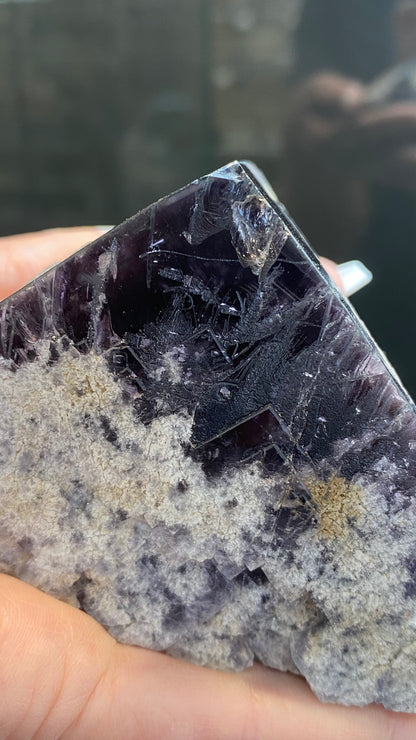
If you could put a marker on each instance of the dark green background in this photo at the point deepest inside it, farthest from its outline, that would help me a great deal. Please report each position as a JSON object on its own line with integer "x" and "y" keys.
{"x": 109, "y": 104}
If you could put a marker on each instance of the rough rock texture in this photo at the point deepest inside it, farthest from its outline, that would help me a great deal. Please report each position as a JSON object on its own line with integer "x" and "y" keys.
{"x": 201, "y": 446}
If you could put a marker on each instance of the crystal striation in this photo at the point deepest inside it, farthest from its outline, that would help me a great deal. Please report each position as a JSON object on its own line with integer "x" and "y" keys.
{"x": 201, "y": 446}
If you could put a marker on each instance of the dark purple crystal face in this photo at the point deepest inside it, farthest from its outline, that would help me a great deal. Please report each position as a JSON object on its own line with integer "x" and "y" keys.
{"x": 219, "y": 276}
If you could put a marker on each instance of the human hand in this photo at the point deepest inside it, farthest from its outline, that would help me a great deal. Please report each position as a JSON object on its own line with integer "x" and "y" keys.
{"x": 332, "y": 128}
{"x": 62, "y": 676}
{"x": 382, "y": 143}
{"x": 321, "y": 111}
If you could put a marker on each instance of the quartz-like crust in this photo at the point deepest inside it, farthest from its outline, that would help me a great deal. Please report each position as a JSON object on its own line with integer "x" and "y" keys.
{"x": 201, "y": 447}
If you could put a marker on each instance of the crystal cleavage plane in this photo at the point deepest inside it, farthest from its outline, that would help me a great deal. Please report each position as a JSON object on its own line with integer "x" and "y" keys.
{"x": 201, "y": 447}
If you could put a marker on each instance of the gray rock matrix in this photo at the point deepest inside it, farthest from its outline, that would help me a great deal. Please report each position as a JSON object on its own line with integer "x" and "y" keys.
{"x": 201, "y": 447}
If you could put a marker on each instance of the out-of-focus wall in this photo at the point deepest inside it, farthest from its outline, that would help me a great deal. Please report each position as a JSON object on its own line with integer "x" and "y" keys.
{"x": 253, "y": 56}
{"x": 109, "y": 104}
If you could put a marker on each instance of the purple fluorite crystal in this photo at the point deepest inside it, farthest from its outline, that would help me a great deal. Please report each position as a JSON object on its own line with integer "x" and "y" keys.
{"x": 201, "y": 446}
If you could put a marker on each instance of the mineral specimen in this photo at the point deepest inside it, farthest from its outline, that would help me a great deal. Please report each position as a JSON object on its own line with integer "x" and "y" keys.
{"x": 201, "y": 446}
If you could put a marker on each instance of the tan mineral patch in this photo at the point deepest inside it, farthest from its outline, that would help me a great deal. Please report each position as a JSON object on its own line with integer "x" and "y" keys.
{"x": 338, "y": 502}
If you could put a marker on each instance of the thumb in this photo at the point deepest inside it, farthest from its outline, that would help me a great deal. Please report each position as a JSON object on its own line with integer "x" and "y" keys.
{"x": 62, "y": 676}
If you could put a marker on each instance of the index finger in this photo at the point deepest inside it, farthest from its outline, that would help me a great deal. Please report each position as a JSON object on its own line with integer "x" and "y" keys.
{"x": 379, "y": 124}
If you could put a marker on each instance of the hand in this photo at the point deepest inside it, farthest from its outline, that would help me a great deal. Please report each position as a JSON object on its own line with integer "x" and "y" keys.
{"x": 331, "y": 128}
{"x": 321, "y": 112}
{"x": 62, "y": 676}
{"x": 382, "y": 142}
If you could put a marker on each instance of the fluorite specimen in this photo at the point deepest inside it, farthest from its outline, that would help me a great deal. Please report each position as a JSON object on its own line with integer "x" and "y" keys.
{"x": 201, "y": 446}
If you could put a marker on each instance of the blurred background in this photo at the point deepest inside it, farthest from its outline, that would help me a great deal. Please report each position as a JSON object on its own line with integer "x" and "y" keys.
{"x": 107, "y": 105}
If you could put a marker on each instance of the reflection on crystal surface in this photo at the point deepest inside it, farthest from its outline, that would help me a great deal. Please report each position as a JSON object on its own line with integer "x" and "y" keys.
{"x": 202, "y": 448}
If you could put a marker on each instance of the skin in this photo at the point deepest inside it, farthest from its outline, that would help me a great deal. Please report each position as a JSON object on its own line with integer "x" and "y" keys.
{"x": 62, "y": 676}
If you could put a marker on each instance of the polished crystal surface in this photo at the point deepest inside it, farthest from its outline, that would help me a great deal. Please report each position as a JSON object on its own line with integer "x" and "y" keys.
{"x": 201, "y": 446}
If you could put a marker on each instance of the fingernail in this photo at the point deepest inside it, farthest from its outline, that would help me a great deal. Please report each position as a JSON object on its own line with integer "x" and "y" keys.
{"x": 104, "y": 229}
{"x": 354, "y": 276}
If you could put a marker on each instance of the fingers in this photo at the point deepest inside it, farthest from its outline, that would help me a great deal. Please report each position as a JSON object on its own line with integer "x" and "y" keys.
{"x": 330, "y": 92}
{"x": 288, "y": 703}
{"x": 331, "y": 126}
{"x": 62, "y": 676}
{"x": 374, "y": 140}
{"x": 350, "y": 277}
{"x": 51, "y": 659}
{"x": 259, "y": 704}
{"x": 392, "y": 124}
{"x": 331, "y": 268}
{"x": 24, "y": 256}
{"x": 319, "y": 113}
